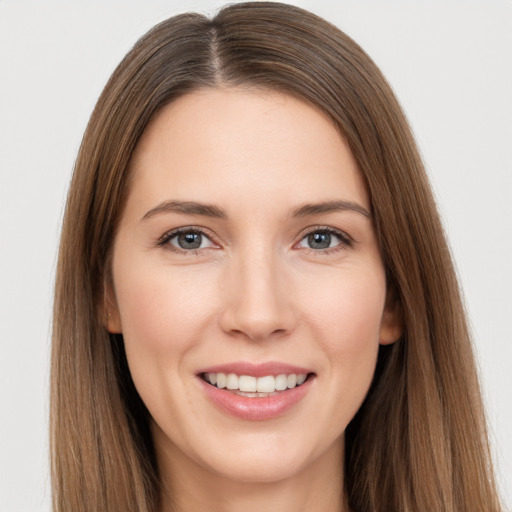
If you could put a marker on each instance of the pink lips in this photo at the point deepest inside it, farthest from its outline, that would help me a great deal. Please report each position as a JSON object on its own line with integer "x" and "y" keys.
{"x": 256, "y": 370}
{"x": 255, "y": 408}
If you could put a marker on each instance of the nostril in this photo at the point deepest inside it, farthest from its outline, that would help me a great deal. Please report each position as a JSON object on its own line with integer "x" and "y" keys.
{"x": 257, "y": 311}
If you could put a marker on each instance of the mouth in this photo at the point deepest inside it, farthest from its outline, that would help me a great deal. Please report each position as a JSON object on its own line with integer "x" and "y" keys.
{"x": 255, "y": 387}
{"x": 256, "y": 392}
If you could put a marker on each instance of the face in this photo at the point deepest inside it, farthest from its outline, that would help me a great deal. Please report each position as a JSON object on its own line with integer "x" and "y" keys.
{"x": 248, "y": 284}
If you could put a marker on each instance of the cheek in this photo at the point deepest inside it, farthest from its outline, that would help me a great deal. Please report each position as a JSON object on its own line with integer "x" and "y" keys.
{"x": 346, "y": 318}
{"x": 161, "y": 309}
{"x": 349, "y": 311}
{"x": 163, "y": 313}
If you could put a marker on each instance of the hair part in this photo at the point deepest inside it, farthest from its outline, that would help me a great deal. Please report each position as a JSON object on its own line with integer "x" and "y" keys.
{"x": 419, "y": 440}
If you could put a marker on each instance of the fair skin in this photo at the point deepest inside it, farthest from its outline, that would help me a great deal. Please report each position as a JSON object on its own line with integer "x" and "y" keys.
{"x": 263, "y": 274}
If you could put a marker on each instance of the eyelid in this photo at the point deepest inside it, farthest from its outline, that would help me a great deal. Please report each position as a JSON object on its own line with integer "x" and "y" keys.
{"x": 164, "y": 239}
{"x": 345, "y": 239}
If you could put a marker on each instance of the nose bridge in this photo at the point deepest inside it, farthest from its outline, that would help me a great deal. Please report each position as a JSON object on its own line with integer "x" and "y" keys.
{"x": 256, "y": 303}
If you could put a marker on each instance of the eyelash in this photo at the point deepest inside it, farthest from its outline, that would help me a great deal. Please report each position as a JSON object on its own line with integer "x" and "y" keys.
{"x": 165, "y": 239}
{"x": 345, "y": 241}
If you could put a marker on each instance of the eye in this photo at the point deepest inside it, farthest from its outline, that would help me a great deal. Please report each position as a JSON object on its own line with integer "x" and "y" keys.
{"x": 323, "y": 239}
{"x": 186, "y": 240}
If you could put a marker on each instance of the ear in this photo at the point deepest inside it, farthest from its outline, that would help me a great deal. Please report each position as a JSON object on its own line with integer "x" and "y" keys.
{"x": 391, "y": 327}
{"x": 111, "y": 317}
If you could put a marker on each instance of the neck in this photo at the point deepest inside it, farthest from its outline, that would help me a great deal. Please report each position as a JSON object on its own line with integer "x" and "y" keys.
{"x": 189, "y": 487}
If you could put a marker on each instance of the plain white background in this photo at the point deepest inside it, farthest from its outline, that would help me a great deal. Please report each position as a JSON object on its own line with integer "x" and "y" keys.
{"x": 449, "y": 62}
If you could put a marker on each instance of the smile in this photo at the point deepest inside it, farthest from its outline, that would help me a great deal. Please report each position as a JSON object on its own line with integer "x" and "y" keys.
{"x": 251, "y": 386}
{"x": 256, "y": 392}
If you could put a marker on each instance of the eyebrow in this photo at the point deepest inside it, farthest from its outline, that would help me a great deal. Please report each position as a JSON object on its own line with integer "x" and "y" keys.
{"x": 187, "y": 208}
{"x": 330, "y": 207}
{"x": 209, "y": 210}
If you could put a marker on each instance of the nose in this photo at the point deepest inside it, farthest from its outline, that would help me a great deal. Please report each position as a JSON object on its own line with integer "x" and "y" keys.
{"x": 257, "y": 301}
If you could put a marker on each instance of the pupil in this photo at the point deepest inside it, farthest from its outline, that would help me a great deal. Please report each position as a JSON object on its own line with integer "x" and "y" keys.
{"x": 319, "y": 240}
{"x": 189, "y": 240}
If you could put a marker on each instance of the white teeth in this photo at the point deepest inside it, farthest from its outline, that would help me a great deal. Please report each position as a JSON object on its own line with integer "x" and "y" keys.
{"x": 232, "y": 381}
{"x": 266, "y": 384}
{"x": 221, "y": 380}
{"x": 250, "y": 384}
{"x": 247, "y": 383}
{"x": 281, "y": 382}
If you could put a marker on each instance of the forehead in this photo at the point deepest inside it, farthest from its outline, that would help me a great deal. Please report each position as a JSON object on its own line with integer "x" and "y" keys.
{"x": 218, "y": 144}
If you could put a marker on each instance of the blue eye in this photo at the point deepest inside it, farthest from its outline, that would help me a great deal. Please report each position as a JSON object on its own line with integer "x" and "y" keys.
{"x": 188, "y": 240}
{"x": 322, "y": 239}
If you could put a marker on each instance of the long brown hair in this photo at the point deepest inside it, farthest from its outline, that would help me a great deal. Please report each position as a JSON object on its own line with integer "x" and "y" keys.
{"x": 419, "y": 441}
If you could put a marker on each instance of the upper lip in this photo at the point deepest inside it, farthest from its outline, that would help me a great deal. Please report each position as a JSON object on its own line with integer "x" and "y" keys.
{"x": 256, "y": 370}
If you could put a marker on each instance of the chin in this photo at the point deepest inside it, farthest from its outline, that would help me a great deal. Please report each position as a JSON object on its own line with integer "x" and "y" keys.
{"x": 261, "y": 468}
{"x": 271, "y": 458}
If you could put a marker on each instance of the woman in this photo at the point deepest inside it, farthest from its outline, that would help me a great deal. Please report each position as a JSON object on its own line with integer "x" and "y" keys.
{"x": 255, "y": 303}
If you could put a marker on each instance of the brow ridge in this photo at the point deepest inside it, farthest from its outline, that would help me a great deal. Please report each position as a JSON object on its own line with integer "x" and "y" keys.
{"x": 187, "y": 208}
{"x": 330, "y": 207}
{"x": 209, "y": 210}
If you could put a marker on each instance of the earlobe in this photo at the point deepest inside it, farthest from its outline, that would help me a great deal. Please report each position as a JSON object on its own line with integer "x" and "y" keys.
{"x": 111, "y": 317}
{"x": 112, "y": 322}
{"x": 391, "y": 327}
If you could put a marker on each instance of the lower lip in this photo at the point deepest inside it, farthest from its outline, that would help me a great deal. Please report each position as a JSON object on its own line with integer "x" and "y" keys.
{"x": 256, "y": 408}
